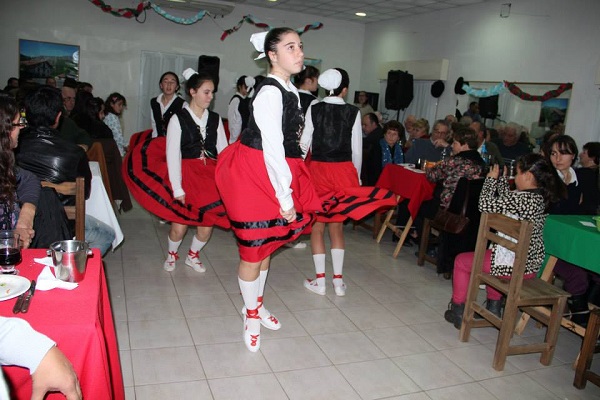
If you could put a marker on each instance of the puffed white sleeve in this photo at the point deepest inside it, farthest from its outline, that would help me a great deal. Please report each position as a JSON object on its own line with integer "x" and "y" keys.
{"x": 268, "y": 111}
{"x": 174, "y": 155}
{"x": 307, "y": 133}
{"x": 221, "y": 137}
{"x": 21, "y": 345}
{"x": 234, "y": 119}
{"x": 357, "y": 144}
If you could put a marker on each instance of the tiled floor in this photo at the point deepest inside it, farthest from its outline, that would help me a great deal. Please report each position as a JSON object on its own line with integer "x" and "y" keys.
{"x": 180, "y": 333}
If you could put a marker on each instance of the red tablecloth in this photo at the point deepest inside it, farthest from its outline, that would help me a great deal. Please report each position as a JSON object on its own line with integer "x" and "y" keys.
{"x": 407, "y": 184}
{"x": 80, "y": 322}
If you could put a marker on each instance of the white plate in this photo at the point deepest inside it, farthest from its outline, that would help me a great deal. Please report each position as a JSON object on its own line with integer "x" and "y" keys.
{"x": 418, "y": 171}
{"x": 12, "y": 285}
{"x": 407, "y": 165}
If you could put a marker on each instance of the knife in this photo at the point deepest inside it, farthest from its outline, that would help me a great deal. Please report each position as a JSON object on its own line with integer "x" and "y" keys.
{"x": 27, "y": 300}
{"x": 19, "y": 303}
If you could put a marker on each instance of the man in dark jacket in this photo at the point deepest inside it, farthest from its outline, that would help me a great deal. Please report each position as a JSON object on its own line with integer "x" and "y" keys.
{"x": 42, "y": 151}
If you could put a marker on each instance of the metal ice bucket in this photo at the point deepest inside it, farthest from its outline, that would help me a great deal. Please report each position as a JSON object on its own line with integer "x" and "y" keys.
{"x": 70, "y": 258}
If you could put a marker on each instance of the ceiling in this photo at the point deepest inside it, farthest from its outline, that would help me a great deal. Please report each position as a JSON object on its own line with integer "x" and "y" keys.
{"x": 376, "y": 10}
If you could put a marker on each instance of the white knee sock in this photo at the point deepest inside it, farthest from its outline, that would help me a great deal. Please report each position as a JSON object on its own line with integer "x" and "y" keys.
{"x": 173, "y": 246}
{"x": 319, "y": 260}
{"x": 337, "y": 259}
{"x": 262, "y": 278}
{"x": 197, "y": 245}
{"x": 249, "y": 293}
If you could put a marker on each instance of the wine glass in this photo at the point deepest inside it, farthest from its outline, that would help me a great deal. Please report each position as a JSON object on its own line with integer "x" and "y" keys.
{"x": 10, "y": 252}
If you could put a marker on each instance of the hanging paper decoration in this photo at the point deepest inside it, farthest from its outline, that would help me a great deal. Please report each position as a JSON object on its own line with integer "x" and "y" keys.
{"x": 254, "y": 21}
{"x": 491, "y": 91}
{"x": 514, "y": 89}
{"x": 178, "y": 20}
{"x": 121, "y": 12}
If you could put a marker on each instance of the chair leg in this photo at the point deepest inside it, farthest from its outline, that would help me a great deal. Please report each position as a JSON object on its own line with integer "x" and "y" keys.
{"x": 403, "y": 236}
{"x": 587, "y": 351}
{"x": 424, "y": 241}
{"x": 509, "y": 319}
{"x": 385, "y": 224}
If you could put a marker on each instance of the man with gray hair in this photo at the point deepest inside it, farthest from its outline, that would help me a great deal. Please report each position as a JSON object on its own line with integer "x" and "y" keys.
{"x": 430, "y": 149}
{"x": 510, "y": 147}
{"x": 490, "y": 148}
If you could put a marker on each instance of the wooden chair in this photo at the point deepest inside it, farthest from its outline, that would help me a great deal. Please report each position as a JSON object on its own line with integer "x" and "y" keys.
{"x": 521, "y": 294}
{"x": 96, "y": 153}
{"x": 464, "y": 202}
{"x": 588, "y": 348}
{"x": 76, "y": 212}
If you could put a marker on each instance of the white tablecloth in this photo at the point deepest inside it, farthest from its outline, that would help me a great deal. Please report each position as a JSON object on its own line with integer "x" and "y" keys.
{"x": 99, "y": 206}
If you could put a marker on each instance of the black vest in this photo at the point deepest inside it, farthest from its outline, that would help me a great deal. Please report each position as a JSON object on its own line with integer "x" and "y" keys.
{"x": 192, "y": 142}
{"x": 162, "y": 121}
{"x": 305, "y": 100}
{"x": 332, "y": 137}
{"x": 243, "y": 109}
{"x": 292, "y": 122}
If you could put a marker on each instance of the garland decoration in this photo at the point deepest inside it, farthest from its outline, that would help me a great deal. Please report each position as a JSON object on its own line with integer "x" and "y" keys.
{"x": 122, "y": 12}
{"x": 178, "y": 20}
{"x": 491, "y": 91}
{"x": 259, "y": 24}
{"x": 514, "y": 89}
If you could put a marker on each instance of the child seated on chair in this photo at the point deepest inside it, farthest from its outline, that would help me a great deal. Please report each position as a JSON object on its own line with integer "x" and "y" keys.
{"x": 537, "y": 185}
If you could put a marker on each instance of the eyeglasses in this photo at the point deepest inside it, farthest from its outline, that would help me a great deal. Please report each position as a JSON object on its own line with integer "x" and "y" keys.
{"x": 21, "y": 124}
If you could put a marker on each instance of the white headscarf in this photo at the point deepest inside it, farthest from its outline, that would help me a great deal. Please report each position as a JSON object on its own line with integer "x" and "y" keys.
{"x": 330, "y": 80}
{"x": 258, "y": 41}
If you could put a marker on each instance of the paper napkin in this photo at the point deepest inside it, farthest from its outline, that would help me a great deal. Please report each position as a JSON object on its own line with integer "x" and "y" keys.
{"x": 47, "y": 281}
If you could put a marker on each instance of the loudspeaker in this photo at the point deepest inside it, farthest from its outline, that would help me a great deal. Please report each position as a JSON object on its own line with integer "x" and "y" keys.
{"x": 399, "y": 90}
{"x": 210, "y": 65}
{"x": 488, "y": 107}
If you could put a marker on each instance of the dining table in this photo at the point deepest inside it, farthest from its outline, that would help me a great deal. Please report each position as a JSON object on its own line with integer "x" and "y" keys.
{"x": 99, "y": 206}
{"x": 572, "y": 238}
{"x": 80, "y": 321}
{"x": 408, "y": 183}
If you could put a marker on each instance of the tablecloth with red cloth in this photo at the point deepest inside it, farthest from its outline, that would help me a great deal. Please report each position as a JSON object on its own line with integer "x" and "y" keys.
{"x": 407, "y": 184}
{"x": 80, "y": 321}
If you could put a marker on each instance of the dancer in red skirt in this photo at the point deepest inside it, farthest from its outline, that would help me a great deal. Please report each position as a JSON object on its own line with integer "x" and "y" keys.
{"x": 333, "y": 128}
{"x": 174, "y": 176}
{"x": 263, "y": 180}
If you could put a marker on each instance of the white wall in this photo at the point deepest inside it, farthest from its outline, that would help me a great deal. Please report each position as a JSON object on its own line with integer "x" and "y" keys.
{"x": 111, "y": 46}
{"x": 541, "y": 41}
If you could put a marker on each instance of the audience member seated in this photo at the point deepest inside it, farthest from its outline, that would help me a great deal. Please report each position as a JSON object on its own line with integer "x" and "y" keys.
{"x": 409, "y": 126}
{"x": 113, "y": 108}
{"x": 491, "y": 150}
{"x": 372, "y": 133}
{"x": 363, "y": 104}
{"x": 450, "y": 119}
{"x": 85, "y": 86}
{"x": 20, "y": 189}
{"x": 509, "y": 145}
{"x": 588, "y": 175}
{"x": 69, "y": 91}
{"x": 561, "y": 151}
{"x": 50, "y": 81}
{"x": 388, "y": 150}
{"x": 50, "y": 369}
{"x": 429, "y": 147}
{"x": 42, "y": 151}
{"x": 420, "y": 130}
{"x": 473, "y": 112}
{"x": 89, "y": 113}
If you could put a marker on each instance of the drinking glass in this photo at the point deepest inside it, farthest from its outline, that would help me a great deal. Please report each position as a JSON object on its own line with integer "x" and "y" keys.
{"x": 10, "y": 252}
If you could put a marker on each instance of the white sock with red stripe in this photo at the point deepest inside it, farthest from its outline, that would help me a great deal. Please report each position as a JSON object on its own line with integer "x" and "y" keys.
{"x": 251, "y": 319}
{"x": 262, "y": 279}
{"x": 337, "y": 259}
{"x": 173, "y": 246}
{"x": 319, "y": 260}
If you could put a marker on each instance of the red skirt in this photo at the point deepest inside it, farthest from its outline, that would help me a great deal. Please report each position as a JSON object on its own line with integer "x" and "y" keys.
{"x": 145, "y": 173}
{"x": 251, "y": 204}
{"x": 354, "y": 201}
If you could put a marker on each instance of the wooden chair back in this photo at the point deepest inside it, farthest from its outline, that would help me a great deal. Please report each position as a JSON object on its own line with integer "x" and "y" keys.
{"x": 536, "y": 297}
{"x": 76, "y": 212}
{"x": 96, "y": 153}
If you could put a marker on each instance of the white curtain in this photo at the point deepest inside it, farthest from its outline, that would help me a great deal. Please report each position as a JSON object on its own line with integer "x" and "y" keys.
{"x": 424, "y": 105}
{"x": 153, "y": 65}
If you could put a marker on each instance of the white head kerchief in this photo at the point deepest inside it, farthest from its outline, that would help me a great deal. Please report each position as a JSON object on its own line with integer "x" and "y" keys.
{"x": 258, "y": 41}
{"x": 330, "y": 80}
{"x": 188, "y": 73}
{"x": 249, "y": 81}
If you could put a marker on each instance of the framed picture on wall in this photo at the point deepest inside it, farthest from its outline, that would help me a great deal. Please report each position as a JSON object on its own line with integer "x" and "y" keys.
{"x": 372, "y": 98}
{"x": 41, "y": 60}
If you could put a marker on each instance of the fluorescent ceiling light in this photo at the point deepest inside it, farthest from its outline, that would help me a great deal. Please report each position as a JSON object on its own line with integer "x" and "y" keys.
{"x": 361, "y": 14}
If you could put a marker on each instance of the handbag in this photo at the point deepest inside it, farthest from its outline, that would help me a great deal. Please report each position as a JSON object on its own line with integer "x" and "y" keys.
{"x": 451, "y": 222}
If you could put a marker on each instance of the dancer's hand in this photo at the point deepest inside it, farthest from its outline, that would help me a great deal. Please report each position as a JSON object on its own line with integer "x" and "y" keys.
{"x": 289, "y": 215}
{"x": 181, "y": 199}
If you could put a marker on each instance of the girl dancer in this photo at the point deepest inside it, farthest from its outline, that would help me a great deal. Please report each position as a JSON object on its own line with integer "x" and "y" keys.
{"x": 334, "y": 129}
{"x": 238, "y": 112}
{"x": 165, "y": 104}
{"x": 181, "y": 186}
{"x": 263, "y": 180}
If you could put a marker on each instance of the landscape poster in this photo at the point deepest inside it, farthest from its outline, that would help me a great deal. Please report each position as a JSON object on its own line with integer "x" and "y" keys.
{"x": 41, "y": 60}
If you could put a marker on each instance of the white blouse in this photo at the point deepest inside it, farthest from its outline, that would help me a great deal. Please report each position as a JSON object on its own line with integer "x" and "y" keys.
{"x": 174, "y": 146}
{"x": 234, "y": 118}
